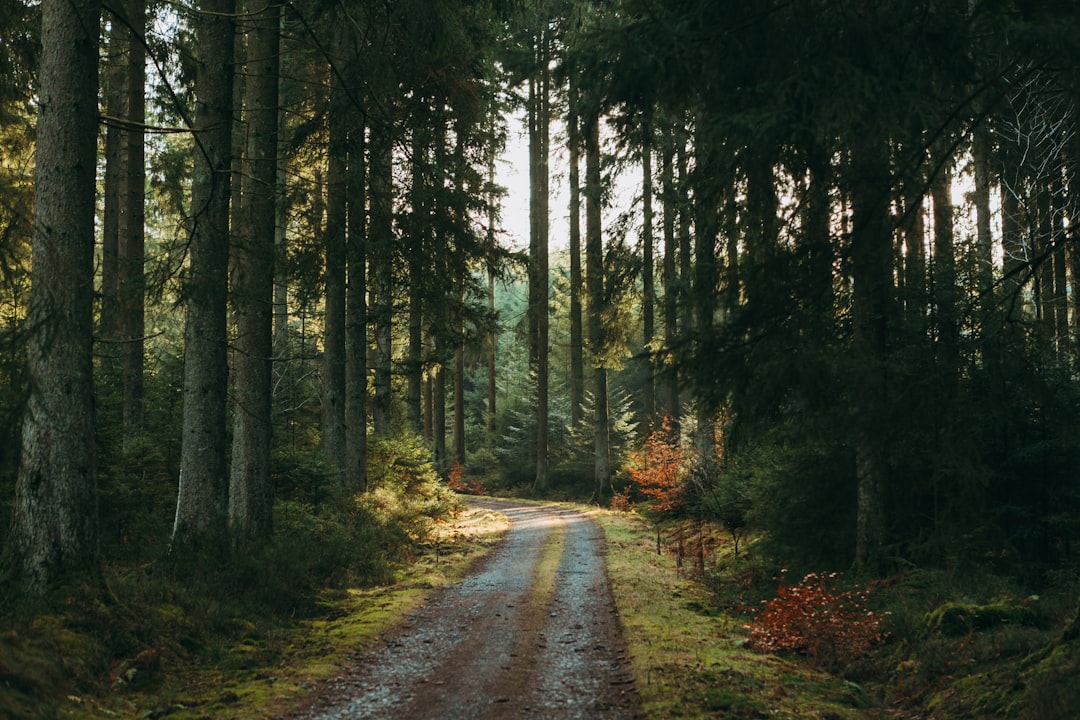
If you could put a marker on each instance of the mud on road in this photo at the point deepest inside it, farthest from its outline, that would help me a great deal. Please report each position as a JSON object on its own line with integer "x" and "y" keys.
{"x": 532, "y": 632}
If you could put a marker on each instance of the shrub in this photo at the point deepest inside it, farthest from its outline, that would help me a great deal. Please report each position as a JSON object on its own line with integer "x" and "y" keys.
{"x": 832, "y": 627}
{"x": 659, "y": 469}
{"x": 457, "y": 482}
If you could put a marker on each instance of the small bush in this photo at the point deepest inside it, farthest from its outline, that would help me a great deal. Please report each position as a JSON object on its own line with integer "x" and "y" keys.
{"x": 659, "y": 470}
{"x": 832, "y": 627}
{"x": 459, "y": 484}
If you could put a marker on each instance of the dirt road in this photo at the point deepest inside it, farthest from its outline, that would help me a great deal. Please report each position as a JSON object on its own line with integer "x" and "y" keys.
{"x": 531, "y": 633}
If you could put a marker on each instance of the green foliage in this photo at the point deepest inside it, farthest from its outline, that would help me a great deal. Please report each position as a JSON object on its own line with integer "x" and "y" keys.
{"x": 801, "y": 495}
{"x": 404, "y": 489}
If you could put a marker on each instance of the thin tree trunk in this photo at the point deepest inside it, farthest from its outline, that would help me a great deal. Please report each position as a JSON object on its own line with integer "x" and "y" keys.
{"x": 706, "y": 277}
{"x": 132, "y": 229}
{"x": 671, "y": 282}
{"x": 356, "y": 331}
{"x": 594, "y": 279}
{"x": 577, "y": 342}
{"x": 115, "y": 82}
{"x": 543, "y": 323}
{"x": 55, "y": 529}
{"x": 382, "y": 241}
{"x": 492, "y": 387}
{"x": 945, "y": 288}
{"x": 250, "y": 489}
{"x": 418, "y": 257}
{"x": 871, "y": 269}
{"x": 202, "y": 499}
{"x": 334, "y": 274}
{"x": 492, "y": 358}
{"x": 648, "y": 290}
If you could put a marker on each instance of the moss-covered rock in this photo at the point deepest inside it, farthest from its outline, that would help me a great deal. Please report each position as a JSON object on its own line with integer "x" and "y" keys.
{"x": 954, "y": 618}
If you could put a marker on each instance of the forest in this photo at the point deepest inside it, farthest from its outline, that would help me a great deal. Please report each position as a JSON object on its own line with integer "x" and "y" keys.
{"x": 262, "y": 308}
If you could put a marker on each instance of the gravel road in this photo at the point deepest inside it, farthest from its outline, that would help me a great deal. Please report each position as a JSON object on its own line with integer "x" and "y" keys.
{"x": 531, "y": 633}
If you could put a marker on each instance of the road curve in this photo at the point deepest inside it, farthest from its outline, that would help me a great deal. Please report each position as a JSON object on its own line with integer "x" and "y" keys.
{"x": 531, "y": 633}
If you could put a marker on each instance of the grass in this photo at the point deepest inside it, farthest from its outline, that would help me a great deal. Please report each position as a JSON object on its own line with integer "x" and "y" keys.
{"x": 958, "y": 648}
{"x": 215, "y": 664}
{"x": 688, "y": 657}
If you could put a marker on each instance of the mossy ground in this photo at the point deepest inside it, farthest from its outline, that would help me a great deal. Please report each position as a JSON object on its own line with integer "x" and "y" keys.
{"x": 86, "y": 661}
{"x": 688, "y": 655}
{"x": 959, "y": 646}
{"x": 155, "y": 656}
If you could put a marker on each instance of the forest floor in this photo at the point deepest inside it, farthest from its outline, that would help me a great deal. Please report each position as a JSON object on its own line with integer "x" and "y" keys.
{"x": 549, "y": 610}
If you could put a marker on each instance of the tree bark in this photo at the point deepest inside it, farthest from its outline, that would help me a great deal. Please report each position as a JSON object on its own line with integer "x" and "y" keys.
{"x": 55, "y": 531}
{"x": 871, "y": 270}
{"x": 250, "y": 489}
{"x": 334, "y": 240}
{"x": 577, "y": 342}
{"x": 594, "y": 279}
{"x": 671, "y": 281}
{"x": 132, "y": 245}
{"x": 202, "y": 498}
{"x": 648, "y": 290}
{"x": 356, "y": 320}
{"x": 382, "y": 247}
{"x": 946, "y": 291}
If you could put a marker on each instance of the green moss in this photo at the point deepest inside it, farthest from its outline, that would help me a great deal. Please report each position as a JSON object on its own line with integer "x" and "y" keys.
{"x": 687, "y": 654}
{"x": 955, "y": 618}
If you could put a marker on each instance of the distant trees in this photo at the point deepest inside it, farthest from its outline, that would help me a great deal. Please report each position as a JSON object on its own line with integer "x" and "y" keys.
{"x": 881, "y": 367}
{"x": 859, "y": 316}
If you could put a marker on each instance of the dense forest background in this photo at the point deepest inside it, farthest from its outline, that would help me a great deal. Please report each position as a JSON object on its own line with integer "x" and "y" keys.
{"x": 254, "y": 264}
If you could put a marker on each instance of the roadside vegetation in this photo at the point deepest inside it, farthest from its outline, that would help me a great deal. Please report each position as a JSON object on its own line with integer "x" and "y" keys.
{"x": 252, "y": 636}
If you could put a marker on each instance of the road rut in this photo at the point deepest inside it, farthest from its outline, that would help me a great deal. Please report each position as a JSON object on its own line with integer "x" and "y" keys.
{"x": 531, "y": 633}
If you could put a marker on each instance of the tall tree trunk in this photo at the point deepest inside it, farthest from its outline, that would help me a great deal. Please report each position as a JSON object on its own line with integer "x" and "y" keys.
{"x": 492, "y": 386}
{"x": 648, "y": 289}
{"x": 492, "y": 367}
{"x": 382, "y": 247}
{"x": 459, "y": 387}
{"x": 116, "y": 96}
{"x": 356, "y": 321}
{"x": 707, "y": 200}
{"x": 250, "y": 489}
{"x": 132, "y": 250}
{"x": 984, "y": 256}
{"x": 438, "y": 407}
{"x": 55, "y": 529}
{"x": 460, "y": 274}
{"x": 334, "y": 274}
{"x": 1060, "y": 282}
{"x": 202, "y": 498}
{"x": 871, "y": 270}
{"x": 539, "y": 294}
{"x": 670, "y": 280}
{"x": 418, "y": 265}
{"x": 594, "y": 280}
{"x": 945, "y": 288}
{"x": 577, "y": 342}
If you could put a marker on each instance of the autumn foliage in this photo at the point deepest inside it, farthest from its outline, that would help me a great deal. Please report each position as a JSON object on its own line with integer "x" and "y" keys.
{"x": 456, "y": 481}
{"x": 832, "y": 627}
{"x": 658, "y": 470}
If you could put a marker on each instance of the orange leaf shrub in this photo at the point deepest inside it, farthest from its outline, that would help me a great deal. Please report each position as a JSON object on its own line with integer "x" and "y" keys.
{"x": 658, "y": 470}
{"x": 456, "y": 481}
{"x": 833, "y": 628}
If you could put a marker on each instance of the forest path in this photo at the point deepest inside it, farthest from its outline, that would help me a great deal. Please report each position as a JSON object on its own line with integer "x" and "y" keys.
{"x": 532, "y": 632}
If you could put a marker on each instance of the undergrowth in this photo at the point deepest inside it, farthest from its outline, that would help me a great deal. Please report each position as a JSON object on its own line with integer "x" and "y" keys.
{"x": 164, "y": 631}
